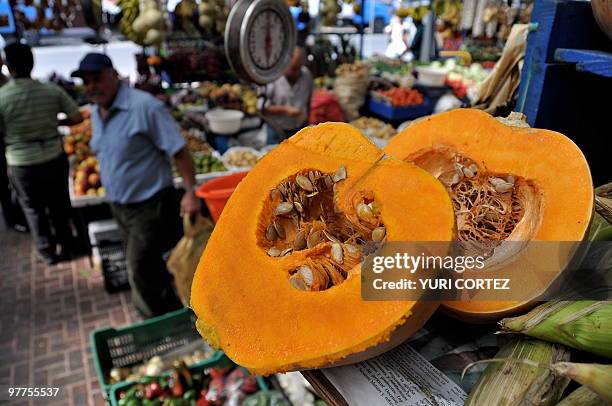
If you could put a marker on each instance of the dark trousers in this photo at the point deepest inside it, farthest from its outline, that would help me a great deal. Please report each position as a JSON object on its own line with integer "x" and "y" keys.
{"x": 150, "y": 229}
{"x": 42, "y": 190}
{"x": 11, "y": 211}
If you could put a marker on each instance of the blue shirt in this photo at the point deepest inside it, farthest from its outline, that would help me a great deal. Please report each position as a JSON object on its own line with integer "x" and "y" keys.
{"x": 134, "y": 146}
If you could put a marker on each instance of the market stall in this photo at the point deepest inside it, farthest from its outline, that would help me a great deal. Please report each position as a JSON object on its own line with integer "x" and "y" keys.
{"x": 390, "y": 153}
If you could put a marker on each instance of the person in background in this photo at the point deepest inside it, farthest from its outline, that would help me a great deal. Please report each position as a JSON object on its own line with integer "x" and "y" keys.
{"x": 37, "y": 165}
{"x": 11, "y": 211}
{"x": 288, "y": 103}
{"x": 135, "y": 140}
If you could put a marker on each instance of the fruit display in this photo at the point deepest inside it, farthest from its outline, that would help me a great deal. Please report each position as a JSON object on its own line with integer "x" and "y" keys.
{"x": 187, "y": 64}
{"x": 214, "y": 386}
{"x": 205, "y": 162}
{"x": 87, "y": 178}
{"x": 505, "y": 186}
{"x": 235, "y": 97}
{"x": 329, "y": 12}
{"x": 129, "y": 12}
{"x": 351, "y": 87}
{"x": 449, "y": 11}
{"x": 213, "y": 16}
{"x": 373, "y": 127}
{"x": 76, "y": 144}
{"x": 241, "y": 157}
{"x": 85, "y": 167}
{"x": 301, "y": 232}
{"x": 401, "y": 96}
{"x": 149, "y": 26}
{"x": 194, "y": 139}
{"x": 155, "y": 366}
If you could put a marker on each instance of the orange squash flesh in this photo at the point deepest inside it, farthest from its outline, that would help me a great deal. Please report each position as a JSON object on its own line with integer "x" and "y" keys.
{"x": 553, "y": 167}
{"x": 242, "y": 296}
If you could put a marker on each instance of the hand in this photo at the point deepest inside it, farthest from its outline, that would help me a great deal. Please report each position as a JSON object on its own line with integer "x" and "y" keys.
{"x": 190, "y": 205}
{"x": 293, "y": 111}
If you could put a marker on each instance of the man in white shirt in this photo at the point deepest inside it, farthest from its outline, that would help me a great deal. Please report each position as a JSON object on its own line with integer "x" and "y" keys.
{"x": 288, "y": 98}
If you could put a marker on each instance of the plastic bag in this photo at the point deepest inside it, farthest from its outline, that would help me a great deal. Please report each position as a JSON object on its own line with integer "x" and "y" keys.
{"x": 185, "y": 256}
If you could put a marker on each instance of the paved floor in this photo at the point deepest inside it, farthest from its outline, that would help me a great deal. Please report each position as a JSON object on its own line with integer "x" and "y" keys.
{"x": 46, "y": 316}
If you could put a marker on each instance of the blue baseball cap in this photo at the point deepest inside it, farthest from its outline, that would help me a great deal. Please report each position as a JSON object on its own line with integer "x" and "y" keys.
{"x": 92, "y": 63}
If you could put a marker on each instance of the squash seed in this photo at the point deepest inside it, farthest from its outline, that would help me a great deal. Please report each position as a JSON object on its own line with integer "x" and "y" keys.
{"x": 304, "y": 183}
{"x": 297, "y": 282}
{"x": 340, "y": 174}
{"x": 274, "y": 252}
{"x": 312, "y": 177}
{"x": 378, "y": 234}
{"x": 336, "y": 253}
{"x": 286, "y": 251}
{"x": 469, "y": 173}
{"x": 283, "y": 208}
{"x": 330, "y": 237}
{"x": 270, "y": 233}
{"x": 328, "y": 181}
{"x": 300, "y": 241}
{"x": 280, "y": 230}
{"x": 298, "y": 206}
{"x": 313, "y": 239}
{"x": 306, "y": 274}
{"x": 364, "y": 212}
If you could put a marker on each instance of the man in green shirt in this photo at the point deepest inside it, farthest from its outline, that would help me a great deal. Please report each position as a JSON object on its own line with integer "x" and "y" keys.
{"x": 37, "y": 165}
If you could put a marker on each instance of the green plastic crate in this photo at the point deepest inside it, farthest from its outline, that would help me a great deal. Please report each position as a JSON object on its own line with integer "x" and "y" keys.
{"x": 127, "y": 346}
{"x": 222, "y": 361}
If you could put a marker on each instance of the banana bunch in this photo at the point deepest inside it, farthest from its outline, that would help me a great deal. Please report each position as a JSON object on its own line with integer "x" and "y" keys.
{"x": 149, "y": 25}
{"x": 130, "y": 10}
{"x": 213, "y": 16}
{"x": 329, "y": 12}
{"x": 449, "y": 11}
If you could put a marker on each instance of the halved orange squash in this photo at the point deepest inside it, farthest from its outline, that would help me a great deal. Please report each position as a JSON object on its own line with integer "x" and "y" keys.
{"x": 278, "y": 285}
{"x": 508, "y": 182}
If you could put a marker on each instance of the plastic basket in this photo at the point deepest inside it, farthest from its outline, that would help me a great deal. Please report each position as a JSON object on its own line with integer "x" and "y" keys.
{"x": 217, "y": 192}
{"x": 222, "y": 361}
{"x": 127, "y": 346}
{"x": 389, "y": 112}
{"x": 114, "y": 266}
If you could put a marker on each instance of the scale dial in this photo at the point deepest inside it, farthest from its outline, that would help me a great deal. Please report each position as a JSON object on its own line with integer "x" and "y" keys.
{"x": 259, "y": 39}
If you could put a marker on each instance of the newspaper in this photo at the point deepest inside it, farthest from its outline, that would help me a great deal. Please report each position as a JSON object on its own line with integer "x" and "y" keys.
{"x": 424, "y": 371}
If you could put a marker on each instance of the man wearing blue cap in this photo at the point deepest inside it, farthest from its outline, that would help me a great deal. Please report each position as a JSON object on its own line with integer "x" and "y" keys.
{"x": 135, "y": 140}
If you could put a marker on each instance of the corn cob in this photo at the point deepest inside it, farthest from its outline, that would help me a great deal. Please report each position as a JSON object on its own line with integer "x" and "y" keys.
{"x": 582, "y": 396}
{"x": 516, "y": 377}
{"x": 596, "y": 377}
{"x": 585, "y": 325}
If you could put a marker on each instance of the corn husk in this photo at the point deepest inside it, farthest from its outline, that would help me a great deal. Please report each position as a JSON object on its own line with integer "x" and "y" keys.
{"x": 596, "y": 377}
{"x": 585, "y": 325}
{"x": 582, "y": 396}
{"x": 508, "y": 380}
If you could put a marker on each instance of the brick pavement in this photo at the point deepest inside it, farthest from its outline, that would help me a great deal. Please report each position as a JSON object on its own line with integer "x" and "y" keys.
{"x": 46, "y": 316}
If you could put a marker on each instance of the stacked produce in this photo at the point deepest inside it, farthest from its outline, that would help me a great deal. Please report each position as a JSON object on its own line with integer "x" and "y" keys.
{"x": 329, "y": 12}
{"x": 155, "y": 366}
{"x": 373, "y": 127}
{"x": 205, "y": 162}
{"x": 236, "y": 96}
{"x": 240, "y": 157}
{"x": 401, "y": 96}
{"x": 213, "y": 16}
{"x": 351, "y": 86}
{"x": 214, "y": 386}
{"x": 85, "y": 167}
{"x": 187, "y": 64}
{"x": 130, "y": 10}
{"x": 87, "y": 178}
{"x": 148, "y": 27}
